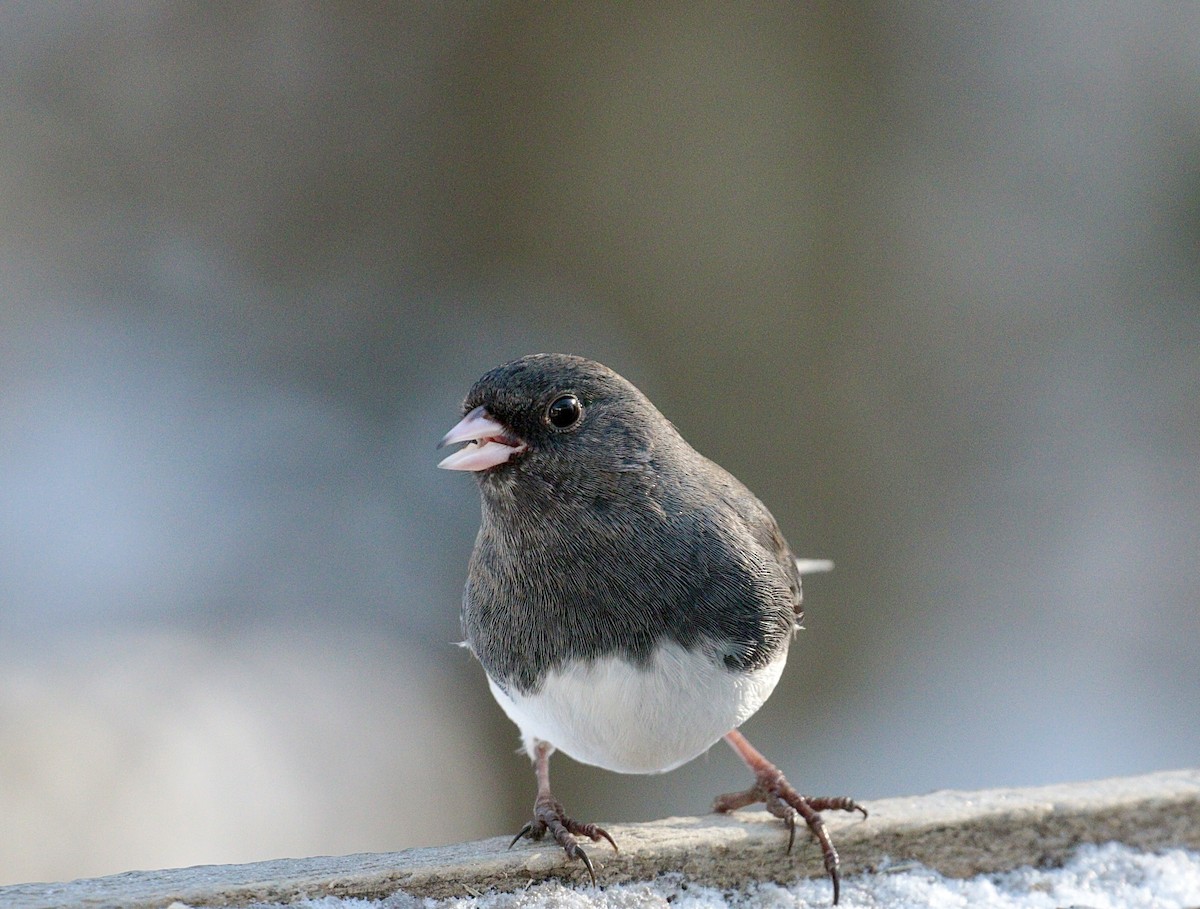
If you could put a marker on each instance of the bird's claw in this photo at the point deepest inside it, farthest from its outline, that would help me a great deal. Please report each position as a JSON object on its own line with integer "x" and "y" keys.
{"x": 527, "y": 830}
{"x": 576, "y": 851}
{"x": 785, "y": 803}
{"x": 548, "y": 815}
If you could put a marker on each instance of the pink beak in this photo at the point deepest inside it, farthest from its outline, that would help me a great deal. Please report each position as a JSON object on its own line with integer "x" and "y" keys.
{"x": 488, "y": 443}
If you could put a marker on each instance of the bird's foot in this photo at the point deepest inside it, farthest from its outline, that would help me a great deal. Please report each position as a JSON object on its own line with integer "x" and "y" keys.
{"x": 549, "y": 816}
{"x": 785, "y": 803}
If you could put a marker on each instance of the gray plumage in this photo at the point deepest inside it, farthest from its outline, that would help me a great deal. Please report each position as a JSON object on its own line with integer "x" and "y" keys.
{"x": 611, "y": 537}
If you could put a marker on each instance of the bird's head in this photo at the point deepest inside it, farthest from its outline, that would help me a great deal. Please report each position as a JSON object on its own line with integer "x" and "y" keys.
{"x": 554, "y": 421}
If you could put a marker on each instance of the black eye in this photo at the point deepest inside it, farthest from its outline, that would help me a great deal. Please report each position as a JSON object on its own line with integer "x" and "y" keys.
{"x": 564, "y": 411}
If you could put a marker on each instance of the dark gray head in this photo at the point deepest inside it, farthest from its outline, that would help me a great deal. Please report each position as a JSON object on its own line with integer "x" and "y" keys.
{"x": 555, "y": 421}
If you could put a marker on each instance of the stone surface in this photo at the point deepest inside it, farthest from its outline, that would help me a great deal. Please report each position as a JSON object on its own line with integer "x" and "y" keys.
{"x": 957, "y": 833}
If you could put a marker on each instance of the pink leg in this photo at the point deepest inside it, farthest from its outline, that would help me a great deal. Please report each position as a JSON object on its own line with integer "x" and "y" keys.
{"x": 785, "y": 802}
{"x": 548, "y": 814}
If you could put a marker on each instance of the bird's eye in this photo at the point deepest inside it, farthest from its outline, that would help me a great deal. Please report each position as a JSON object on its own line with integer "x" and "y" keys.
{"x": 564, "y": 411}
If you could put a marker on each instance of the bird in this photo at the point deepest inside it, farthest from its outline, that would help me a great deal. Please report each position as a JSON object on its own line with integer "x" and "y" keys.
{"x": 630, "y": 601}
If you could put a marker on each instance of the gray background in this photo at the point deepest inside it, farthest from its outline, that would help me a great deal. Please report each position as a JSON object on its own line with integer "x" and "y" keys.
{"x": 924, "y": 276}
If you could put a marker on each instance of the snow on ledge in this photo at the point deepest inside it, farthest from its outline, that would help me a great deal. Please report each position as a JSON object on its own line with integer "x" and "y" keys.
{"x": 957, "y": 834}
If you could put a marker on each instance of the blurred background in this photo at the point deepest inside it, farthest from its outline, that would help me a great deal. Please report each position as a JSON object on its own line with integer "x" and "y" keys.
{"x": 925, "y": 276}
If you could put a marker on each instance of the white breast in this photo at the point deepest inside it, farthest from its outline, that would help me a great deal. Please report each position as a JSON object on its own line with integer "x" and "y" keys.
{"x": 634, "y": 719}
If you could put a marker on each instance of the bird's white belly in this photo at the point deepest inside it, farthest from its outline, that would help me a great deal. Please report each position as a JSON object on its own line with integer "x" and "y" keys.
{"x": 640, "y": 719}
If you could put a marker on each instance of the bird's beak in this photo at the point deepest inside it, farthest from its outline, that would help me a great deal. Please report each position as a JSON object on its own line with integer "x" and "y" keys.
{"x": 488, "y": 443}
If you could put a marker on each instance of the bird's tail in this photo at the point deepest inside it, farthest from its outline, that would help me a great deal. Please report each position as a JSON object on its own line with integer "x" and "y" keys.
{"x": 813, "y": 566}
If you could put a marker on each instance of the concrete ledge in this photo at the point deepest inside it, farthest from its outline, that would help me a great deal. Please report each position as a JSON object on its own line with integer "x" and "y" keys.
{"x": 957, "y": 833}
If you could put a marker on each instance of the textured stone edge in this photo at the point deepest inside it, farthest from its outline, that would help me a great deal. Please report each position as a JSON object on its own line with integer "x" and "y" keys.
{"x": 956, "y": 833}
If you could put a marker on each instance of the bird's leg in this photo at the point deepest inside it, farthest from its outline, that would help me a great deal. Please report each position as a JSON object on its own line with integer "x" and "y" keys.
{"x": 548, "y": 815}
{"x": 785, "y": 803}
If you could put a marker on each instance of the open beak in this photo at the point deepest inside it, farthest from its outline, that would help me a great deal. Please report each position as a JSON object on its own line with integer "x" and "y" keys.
{"x": 488, "y": 443}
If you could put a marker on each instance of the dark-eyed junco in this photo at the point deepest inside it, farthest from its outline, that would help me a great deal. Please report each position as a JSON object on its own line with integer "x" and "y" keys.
{"x": 630, "y": 601}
